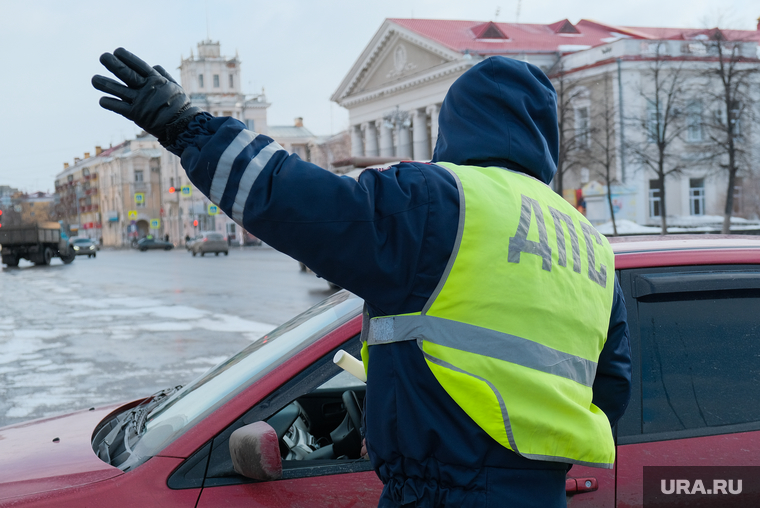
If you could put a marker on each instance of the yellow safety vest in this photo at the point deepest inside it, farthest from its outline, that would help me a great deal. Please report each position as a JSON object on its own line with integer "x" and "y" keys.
{"x": 514, "y": 330}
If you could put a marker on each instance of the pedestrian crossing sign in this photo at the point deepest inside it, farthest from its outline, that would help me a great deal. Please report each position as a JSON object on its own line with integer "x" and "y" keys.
{"x": 155, "y": 223}
{"x": 213, "y": 209}
{"x": 132, "y": 214}
{"x": 139, "y": 197}
{"x": 186, "y": 191}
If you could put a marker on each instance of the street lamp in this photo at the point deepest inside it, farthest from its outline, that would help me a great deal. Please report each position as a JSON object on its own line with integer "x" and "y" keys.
{"x": 396, "y": 120}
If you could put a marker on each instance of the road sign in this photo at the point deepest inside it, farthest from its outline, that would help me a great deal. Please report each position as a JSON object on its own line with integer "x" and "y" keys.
{"x": 213, "y": 209}
{"x": 155, "y": 223}
{"x": 132, "y": 214}
{"x": 139, "y": 197}
{"x": 186, "y": 191}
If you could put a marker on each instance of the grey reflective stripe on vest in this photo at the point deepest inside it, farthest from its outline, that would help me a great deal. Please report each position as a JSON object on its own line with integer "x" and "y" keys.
{"x": 483, "y": 342}
{"x": 224, "y": 166}
{"x": 249, "y": 176}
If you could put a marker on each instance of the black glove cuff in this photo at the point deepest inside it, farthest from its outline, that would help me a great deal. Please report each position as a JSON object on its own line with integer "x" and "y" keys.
{"x": 178, "y": 126}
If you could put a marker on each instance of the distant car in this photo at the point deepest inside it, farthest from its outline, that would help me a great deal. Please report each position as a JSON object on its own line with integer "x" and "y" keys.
{"x": 151, "y": 243}
{"x": 210, "y": 241}
{"x": 189, "y": 243}
{"x": 84, "y": 247}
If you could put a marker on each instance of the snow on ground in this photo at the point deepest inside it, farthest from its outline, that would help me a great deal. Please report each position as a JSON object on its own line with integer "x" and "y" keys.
{"x": 681, "y": 224}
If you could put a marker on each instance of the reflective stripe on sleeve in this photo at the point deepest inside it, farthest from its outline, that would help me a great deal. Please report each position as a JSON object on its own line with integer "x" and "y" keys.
{"x": 484, "y": 342}
{"x": 224, "y": 166}
{"x": 249, "y": 176}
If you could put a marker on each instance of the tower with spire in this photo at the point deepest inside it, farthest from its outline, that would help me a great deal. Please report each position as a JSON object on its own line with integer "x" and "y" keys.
{"x": 213, "y": 83}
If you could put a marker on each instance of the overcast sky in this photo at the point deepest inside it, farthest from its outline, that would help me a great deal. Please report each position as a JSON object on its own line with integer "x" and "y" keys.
{"x": 299, "y": 50}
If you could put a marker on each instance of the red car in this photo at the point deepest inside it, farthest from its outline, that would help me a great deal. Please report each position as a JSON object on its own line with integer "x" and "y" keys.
{"x": 693, "y": 307}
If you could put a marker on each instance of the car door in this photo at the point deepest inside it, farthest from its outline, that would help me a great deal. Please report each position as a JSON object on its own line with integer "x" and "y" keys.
{"x": 306, "y": 483}
{"x": 695, "y": 341}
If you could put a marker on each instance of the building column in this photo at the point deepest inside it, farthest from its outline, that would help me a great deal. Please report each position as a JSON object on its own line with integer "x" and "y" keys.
{"x": 370, "y": 139}
{"x": 386, "y": 138}
{"x": 420, "y": 135}
{"x": 357, "y": 145}
{"x": 432, "y": 111}
{"x": 404, "y": 141}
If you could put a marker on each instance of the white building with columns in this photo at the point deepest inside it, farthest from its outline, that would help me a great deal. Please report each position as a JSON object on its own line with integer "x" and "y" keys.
{"x": 394, "y": 90}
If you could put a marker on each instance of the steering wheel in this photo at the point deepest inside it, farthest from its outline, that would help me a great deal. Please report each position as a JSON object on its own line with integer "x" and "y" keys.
{"x": 351, "y": 403}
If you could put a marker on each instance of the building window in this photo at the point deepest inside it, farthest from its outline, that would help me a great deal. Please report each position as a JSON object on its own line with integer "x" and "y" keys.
{"x": 216, "y": 80}
{"x": 231, "y": 81}
{"x": 654, "y": 198}
{"x": 249, "y": 124}
{"x": 138, "y": 176}
{"x": 734, "y": 116}
{"x": 654, "y": 124}
{"x": 171, "y": 181}
{"x": 582, "y": 127}
{"x": 697, "y": 196}
{"x": 200, "y": 80}
{"x": 694, "y": 122}
{"x": 141, "y": 204}
{"x": 738, "y": 182}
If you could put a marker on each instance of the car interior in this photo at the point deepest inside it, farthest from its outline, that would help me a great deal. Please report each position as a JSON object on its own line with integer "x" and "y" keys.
{"x": 317, "y": 417}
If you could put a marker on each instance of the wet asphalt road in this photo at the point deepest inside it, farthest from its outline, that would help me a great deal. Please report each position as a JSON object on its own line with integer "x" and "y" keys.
{"x": 127, "y": 324}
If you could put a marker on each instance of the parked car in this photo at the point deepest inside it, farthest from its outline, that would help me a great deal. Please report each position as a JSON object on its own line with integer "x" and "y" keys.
{"x": 84, "y": 247}
{"x": 692, "y": 308}
{"x": 210, "y": 241}
{"x": 146, "y": 243}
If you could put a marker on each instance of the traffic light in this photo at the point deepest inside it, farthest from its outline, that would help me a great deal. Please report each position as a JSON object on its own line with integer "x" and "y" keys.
{"x": 172, "y": 190}
{"x": 1, "y": 218}
{"x": 195, "y": 223}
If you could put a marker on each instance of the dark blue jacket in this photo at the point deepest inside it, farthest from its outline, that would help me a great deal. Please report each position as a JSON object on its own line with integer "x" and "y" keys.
{"x": 387, "y": 238}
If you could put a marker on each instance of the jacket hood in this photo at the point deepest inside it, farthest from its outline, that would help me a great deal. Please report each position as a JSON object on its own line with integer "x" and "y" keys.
{"x": 501, "y": 112}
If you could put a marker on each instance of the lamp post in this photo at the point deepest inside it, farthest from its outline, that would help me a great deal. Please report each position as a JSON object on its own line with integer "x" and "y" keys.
{"x": 399, "y": 121}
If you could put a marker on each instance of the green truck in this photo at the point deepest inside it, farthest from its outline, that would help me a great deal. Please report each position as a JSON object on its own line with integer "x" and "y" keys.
{"x": 39, "y": 242}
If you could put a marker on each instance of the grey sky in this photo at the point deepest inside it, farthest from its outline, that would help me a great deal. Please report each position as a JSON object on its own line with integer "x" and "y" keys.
{"x": 299, "y": 50}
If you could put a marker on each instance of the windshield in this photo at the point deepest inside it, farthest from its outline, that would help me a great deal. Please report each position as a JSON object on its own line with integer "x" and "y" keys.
{"x": 82, "y": 240}
{"x": 182, "y": 409}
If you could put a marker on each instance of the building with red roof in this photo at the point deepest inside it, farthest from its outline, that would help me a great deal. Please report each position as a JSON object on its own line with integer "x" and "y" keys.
{"x": 395, "y": 87}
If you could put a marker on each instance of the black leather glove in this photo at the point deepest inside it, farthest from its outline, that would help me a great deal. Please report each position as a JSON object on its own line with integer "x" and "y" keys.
{"x": 151, "y": 99}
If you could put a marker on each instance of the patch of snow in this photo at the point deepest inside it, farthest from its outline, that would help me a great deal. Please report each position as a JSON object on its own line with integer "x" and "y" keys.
{"x": 166, "y": 327}
{"x": 681, "y": 224}
{"x": 20, "y": 348}
{"x": 227, "y": 323}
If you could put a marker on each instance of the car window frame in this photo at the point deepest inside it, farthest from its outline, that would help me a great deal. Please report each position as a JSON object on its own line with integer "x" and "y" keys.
{"x": 213, "y": 456}
{"x": 633, "y": 419}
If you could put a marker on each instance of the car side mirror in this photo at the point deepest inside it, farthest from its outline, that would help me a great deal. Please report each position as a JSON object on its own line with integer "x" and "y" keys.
{"x": 255, "y": 452}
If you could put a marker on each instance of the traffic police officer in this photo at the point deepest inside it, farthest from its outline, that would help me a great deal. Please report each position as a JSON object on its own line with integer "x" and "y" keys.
{"x": 496, "y": 340}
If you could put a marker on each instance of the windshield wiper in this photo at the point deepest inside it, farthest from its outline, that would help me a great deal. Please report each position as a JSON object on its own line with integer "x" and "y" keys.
{"x": 141, "y": 412}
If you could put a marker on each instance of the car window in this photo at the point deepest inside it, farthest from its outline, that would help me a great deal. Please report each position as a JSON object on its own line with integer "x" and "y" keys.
{"x": 700, "y": 358}
{"x": 215, "y": 237}
{"x": 697, "y": 335}
{"x": 309, "y": 416}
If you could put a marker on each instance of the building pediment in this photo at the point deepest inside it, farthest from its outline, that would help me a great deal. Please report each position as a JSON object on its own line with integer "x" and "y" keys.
{"x": 395, "y": 55}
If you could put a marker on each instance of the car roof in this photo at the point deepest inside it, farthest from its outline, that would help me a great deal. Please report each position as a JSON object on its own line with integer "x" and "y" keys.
{"x": 684, "y": 250}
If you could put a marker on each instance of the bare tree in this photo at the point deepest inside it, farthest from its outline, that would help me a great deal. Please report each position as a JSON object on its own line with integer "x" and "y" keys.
{"x": 602, "y": 152}
{"x": 663, "y": 88}
{"x": 567, "y": 94}
{"x": 727, "y": 90}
